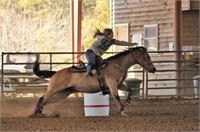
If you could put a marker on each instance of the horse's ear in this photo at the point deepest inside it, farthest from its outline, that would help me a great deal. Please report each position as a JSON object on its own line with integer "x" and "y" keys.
{"x": 143, "y": 49}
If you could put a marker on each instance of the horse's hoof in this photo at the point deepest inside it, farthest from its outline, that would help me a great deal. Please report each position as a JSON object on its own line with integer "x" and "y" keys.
{"x": 38, "y": 115}
{"x": 54, "y": 115}
{"x": 123, "y": 113}
{"x": 127, "y": 102}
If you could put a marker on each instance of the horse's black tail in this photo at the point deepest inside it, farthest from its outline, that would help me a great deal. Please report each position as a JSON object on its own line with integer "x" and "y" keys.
{"x": 38, "y": 72}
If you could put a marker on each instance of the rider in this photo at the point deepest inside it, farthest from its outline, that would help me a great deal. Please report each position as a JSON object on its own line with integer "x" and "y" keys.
{"x": 103, "y": 42}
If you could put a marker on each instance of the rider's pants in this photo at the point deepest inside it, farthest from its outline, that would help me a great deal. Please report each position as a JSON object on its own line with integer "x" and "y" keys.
{"x": 92, "y": 59}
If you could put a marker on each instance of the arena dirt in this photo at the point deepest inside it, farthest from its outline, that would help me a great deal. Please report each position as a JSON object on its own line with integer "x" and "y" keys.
{"x": 143, "y": 115}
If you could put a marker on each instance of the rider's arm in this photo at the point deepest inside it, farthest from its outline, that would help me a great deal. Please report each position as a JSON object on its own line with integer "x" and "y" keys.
{"x": 124, "y": 43}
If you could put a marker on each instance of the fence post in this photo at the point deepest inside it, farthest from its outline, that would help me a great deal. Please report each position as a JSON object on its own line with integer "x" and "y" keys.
{"x": 146, "y": 84}
{"x": 143, "y": 78}
{"x": 2, "y": 72}
{"x": 51, "y": 61}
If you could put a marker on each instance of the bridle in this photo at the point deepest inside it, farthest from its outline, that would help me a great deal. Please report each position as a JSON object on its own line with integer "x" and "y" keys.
{"x": 142, "y": 52}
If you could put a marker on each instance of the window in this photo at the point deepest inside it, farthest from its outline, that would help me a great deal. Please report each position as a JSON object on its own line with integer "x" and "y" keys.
{"x": 151, "y": 37}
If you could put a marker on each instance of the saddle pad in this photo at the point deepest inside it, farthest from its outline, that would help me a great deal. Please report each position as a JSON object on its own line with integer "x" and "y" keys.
{"x": 84, "y": 68}
{"x": 78, "y": 69}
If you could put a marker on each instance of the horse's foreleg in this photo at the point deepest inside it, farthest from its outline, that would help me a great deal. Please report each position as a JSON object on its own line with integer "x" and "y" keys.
{"x": 115, "y": 95}
{"x": 124, "y": 88}
{"x": 118, "y": 103}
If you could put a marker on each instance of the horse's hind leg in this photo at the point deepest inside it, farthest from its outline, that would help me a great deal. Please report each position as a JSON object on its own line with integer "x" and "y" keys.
{"x": 38, "y": 108}
{"x": 60, "y": 95}
{"x": 47, "y": 98}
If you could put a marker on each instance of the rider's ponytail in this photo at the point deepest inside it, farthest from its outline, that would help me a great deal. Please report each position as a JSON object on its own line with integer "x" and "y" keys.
{"x": 106, "y": 32}
{"x": 97, "y": 33}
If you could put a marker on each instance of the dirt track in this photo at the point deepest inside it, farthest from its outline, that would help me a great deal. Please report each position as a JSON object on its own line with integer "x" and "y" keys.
{"x": 144, "y": 115}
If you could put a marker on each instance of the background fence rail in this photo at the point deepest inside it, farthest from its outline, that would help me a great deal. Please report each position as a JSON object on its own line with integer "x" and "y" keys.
{"x": 160, "y": 84}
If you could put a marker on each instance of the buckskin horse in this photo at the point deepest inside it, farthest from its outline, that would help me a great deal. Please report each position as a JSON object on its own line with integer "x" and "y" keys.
{"x": 65, "y": 81}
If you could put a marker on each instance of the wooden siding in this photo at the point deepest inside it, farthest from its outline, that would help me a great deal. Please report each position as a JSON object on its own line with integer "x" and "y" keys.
{"x": 121, "y": 32}
{"x": 185, "y": 4}
{"x": 146, "y": 12}
{"x": 190, "y": 28}
{"x": 194, "y": 5}
{"x": 190, "y": 4}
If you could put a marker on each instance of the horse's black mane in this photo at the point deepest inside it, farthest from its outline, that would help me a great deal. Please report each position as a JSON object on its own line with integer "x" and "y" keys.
{"x": 125, "y": 52}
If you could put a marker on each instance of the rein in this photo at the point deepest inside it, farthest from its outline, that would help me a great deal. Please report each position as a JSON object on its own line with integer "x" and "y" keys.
{"x": 131, "y": 52}
{"x": 121, "y": 67}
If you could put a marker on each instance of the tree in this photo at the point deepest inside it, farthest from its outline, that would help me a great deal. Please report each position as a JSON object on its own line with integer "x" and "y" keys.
{"x": 34, "y": 25}
{"x": 43, "y": 25}
{"x": 96, "y": 15}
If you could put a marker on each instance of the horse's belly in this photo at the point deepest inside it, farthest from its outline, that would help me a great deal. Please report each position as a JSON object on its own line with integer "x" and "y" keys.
{"x": 86, "y": 85}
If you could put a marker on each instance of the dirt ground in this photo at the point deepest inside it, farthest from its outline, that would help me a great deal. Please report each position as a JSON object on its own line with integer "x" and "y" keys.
{"x": 143, "y": 115}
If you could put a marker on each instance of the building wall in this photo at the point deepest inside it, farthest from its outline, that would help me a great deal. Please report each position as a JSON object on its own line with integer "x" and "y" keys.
{"x": 185, "y": 4}
{"x": 190, "y": 28}
{"x": 190, "y": 4}
{"x": 190, "y": 41}
{"x": 148, "y": 12}
{"x": 194, "y": 4}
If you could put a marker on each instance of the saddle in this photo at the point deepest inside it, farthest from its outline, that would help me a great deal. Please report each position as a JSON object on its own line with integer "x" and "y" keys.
{"x": 83, "y": 68}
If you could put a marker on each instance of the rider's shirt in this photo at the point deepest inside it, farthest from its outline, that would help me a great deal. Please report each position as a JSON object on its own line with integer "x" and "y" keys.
{"x": 101, "y": 45}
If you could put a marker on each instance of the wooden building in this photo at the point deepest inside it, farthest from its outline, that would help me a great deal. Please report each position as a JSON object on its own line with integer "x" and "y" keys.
{"x": 151, "y": 24}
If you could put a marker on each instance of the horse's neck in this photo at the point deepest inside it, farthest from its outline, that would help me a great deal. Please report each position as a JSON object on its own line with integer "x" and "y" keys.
{"x": 125, "y": 61}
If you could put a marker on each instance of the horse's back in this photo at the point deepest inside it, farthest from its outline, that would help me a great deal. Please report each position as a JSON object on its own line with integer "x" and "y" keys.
{"x": 63, "y": 73}
{"x": 60, "y": 77}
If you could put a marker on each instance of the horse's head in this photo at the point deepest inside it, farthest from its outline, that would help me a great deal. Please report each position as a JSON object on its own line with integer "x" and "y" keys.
{"x": 143, "y": 59}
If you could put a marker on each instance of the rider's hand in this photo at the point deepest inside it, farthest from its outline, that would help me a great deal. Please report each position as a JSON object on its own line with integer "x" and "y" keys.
{"x": 134, "y": 44}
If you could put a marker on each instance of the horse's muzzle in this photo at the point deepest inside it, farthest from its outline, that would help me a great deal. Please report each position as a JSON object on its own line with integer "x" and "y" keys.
{"x": 153, "y": 70}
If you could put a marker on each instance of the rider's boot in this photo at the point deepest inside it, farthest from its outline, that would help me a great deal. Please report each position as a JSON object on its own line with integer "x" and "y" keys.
{"x": 90, "y": 70}
{"x": 89, "y": 73}
{"x": 104, "y": 89}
